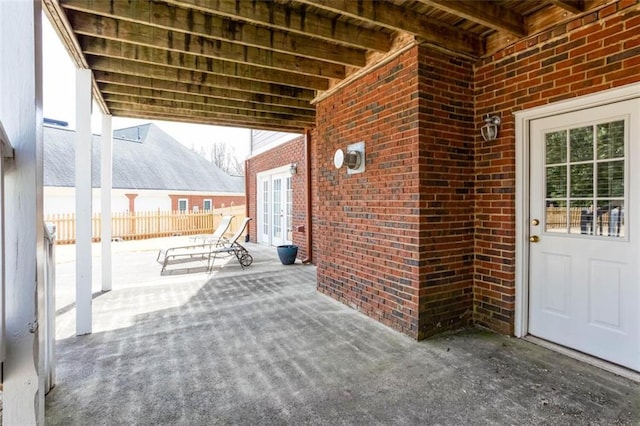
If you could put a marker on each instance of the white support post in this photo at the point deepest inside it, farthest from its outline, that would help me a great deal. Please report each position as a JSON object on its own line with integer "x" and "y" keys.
{"x": 21, "y": 115}
{"x": 106, "y": 183}
{"x": 83, "y": 202}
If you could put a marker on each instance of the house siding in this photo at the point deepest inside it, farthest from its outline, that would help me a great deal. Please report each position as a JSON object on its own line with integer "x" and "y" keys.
{"x": 261, "y": 140}
{"x": 597, "y": 52}
{"x": 282, "y": 155}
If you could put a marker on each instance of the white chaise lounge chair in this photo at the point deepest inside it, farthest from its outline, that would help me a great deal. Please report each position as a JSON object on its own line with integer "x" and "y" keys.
{"x": 195, "y": 252}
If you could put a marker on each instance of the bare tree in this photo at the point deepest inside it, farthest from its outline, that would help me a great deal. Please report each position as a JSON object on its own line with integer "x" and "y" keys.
{"x": 222, "y": 156}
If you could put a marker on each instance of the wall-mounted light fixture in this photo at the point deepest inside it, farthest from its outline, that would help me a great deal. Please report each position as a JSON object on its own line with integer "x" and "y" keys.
{"x": 293, "y": 169}
{"x": 490, "y": 129}
{"x": 352, "y": 157}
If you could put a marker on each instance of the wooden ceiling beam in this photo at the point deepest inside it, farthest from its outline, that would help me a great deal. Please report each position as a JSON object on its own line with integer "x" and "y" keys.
{"x": 198, "y": 24}
{"x": 544, "y": 19}
{"x": 199, "y": 120}
{"x": 485, "y": 13}
{"x": 151, "y": 55}
{"x": 105, "y": 79}
{"x": 211, "y": 117}
{"x": 115, "y": 92}
{"x": 400, "y": 19}
{"x": 101, "y": 63}
{"x": 130, "y": 32}
{"x": 210, "y": 109}
{"x": 573, "y": 6}
{"x": 294, "y": 20}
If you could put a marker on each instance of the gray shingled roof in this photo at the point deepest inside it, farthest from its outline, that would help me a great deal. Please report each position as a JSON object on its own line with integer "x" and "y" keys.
{"x": 155, "y": 161}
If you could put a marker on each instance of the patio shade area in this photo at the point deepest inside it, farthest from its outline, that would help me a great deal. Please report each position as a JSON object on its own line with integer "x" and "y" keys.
{"x": 261, "y": 64}
{"x": 262, "y": 346}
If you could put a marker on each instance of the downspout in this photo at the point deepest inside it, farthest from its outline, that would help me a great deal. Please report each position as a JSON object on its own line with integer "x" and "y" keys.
{"x": 307, "y": 146}
{"x": 246, "y": 188}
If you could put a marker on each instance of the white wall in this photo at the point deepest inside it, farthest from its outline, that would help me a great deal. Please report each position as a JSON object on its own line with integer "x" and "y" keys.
{"x": 21, "y": 115}
{"x": 61, "y": 200}
{"x": 151, "y": 202}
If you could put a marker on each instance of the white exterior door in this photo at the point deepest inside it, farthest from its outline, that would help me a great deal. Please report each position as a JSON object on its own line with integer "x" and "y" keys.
{"x": 584, "y": 273}
{"x": 277, "y": 210}
{"x": 275, "y": 201}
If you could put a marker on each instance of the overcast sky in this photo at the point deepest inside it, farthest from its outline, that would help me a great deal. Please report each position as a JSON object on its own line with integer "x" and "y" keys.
{"x": 59, "y": 103}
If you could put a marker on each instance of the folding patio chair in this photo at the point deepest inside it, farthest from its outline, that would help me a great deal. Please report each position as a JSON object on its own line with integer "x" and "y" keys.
{"x": 233, "y": 247}
{"x": 195, "y": 252}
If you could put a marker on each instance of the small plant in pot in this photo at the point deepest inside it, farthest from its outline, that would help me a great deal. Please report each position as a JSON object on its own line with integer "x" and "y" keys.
{"x": 287, "y": 254}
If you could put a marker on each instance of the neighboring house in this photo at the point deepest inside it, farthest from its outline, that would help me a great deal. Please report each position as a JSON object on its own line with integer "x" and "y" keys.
{"x": 276, "y": 174}
{"x": 151, "y": 171}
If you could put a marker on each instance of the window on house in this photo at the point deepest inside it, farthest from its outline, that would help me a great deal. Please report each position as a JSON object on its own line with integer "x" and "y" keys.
{"x": 206, "y": 205}
{"x": 183, "y": 205}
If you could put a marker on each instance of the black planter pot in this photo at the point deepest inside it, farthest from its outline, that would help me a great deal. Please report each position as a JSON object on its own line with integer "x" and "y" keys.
{"x": 287, "y": 254}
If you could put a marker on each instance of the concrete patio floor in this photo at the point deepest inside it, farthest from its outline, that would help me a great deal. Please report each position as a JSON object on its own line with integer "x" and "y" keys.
{"x": 261, "y": 346}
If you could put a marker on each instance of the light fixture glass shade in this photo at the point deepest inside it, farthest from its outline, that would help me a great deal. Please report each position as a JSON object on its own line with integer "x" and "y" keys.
{"x": 489, "y": 131}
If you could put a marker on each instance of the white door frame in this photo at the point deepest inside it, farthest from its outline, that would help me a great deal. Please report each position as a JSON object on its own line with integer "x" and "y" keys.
{"x": 260, "y": 198}
{"x": 523, "y": 139}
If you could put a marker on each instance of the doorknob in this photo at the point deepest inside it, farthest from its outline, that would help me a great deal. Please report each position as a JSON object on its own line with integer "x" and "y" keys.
{"x": 534, "y": 238}
{"x": 535, "y": 222}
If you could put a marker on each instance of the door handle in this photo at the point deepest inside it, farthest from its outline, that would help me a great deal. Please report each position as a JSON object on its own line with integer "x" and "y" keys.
{"x": 534, "y": 238}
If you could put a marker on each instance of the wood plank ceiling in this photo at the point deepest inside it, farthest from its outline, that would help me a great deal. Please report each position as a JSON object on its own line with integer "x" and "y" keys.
{"x": 259, "y": 64}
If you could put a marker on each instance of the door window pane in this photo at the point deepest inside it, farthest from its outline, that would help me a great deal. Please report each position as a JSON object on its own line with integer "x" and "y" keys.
{"x": 556, "y": 147}
{"x": 557, "y": 181}
{"x": 277, "y": 209}
{"x": 594, "y": 202}
{"x": 581, "y": 147}
{"x": 582, "y": 180}
{"x": 610, "y": 179}
{"x": 611, "y": 140}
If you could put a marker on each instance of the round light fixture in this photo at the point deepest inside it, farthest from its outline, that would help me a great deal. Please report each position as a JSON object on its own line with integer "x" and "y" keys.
{"x": 338, "y": 158}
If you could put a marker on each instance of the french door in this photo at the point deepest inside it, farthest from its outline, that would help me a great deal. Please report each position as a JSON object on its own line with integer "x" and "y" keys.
{"x": 275, "y": 208}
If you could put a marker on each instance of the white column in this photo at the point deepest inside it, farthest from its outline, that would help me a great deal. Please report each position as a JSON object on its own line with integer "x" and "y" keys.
{"x": 106, "y": 183}
{"x": 21, "y": 115}
{"x": 83, "y": 201}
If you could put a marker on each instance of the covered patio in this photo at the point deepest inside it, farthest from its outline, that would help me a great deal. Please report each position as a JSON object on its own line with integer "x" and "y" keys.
{"x": 443, "y": 228}
{"x": 262, "y": 346}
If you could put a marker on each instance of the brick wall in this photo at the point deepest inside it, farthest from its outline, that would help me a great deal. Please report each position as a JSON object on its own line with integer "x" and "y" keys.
{"x": 368, "y": 224}
{"x": 446, "y": 190}
{"x": 594, "y": 53}
{"x": 282, "y": 155}
{"x": 395, "y": 242}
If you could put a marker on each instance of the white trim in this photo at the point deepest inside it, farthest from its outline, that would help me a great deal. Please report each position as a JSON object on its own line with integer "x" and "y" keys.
{"x": 522, "y": 124}
{"x": 582, "y": 357}
{"x": 277, "y": 170}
